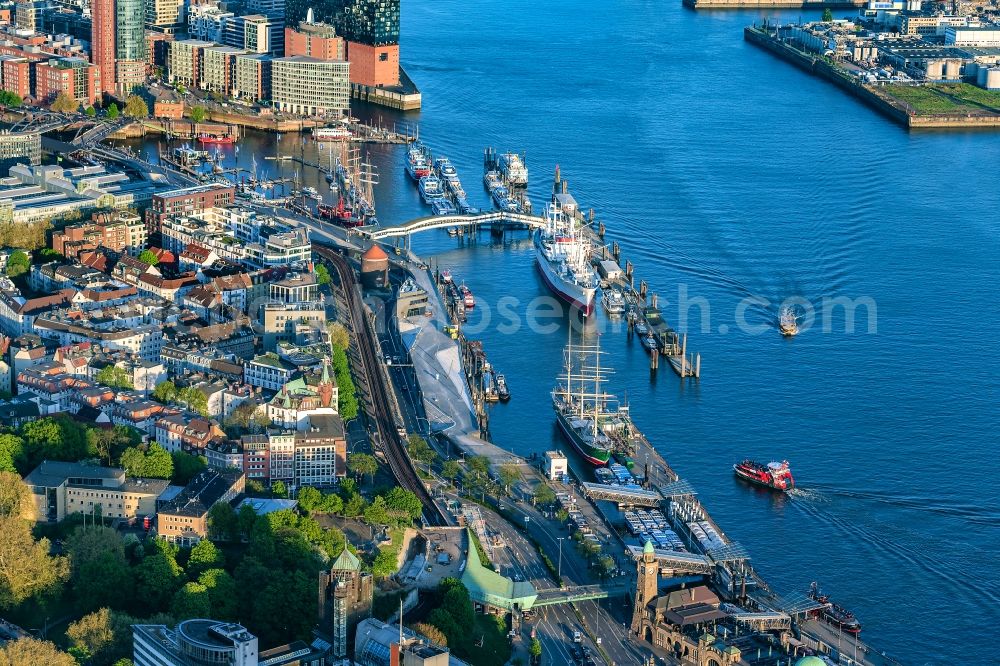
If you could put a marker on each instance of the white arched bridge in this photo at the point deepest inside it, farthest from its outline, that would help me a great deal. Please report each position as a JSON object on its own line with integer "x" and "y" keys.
{"x": 377, "y": 232}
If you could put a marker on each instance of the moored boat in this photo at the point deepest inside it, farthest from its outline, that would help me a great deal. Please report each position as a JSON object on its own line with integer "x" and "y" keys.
{"x": 513, "y": 169}
{"x": 416, "y": 164}
{"x": 216, "y": 138}
{"x": 834, "y": 614}
{"x": 614, "y": 301}
{"x": 467, "y": 298}
{"x": 332, "y": 134}
{"x": 503, "y": 393}
{"x": 773, "y": 475}
{"x": 563, "y": 258}
{"x": 581, "y": 406}
{"x": 430, "y": 189}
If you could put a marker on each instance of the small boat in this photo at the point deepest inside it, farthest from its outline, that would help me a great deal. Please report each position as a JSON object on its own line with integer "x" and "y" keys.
{"x": 773, "y": 475}
{"x": 513, "y": 168}
{"x": 442, "y": 207}
{"x": 452, "y": 231}
{"x": 614, "y": 301}
{"x": 416, "y": 164}
{"x": 446, "y": 276}
{"x": 503, "y": 393}
{"x": 836, "y": 615}
{"x": 787, "y": 321}
{"x": 430, "y": 189}
{"x": 332, "y": 134}
{"x": 649, "y": 342}
{"x": 216, "y": 138}
{"x": 310, "y": 192}
{"x": 467, "y": 298}
{"x": 641, "y": 329}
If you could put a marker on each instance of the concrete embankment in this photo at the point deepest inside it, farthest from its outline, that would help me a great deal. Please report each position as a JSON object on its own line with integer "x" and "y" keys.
{"x": 818, "y": 5}
{"x": 870, "y": 95}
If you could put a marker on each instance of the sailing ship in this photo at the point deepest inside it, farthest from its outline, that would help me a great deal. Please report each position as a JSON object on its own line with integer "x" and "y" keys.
{"x": 587, "y": 416}
{"x": 787, "y": 321}
{"x": 563, "y": 258}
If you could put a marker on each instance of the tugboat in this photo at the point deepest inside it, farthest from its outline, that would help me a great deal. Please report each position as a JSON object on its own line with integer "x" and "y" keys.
{"x": 216, "y": 138}
{"x": 787, "y": 322}
{"x": 836, "y": 615}
{"x": 467, "y": 298}
{"x": 503, "y": 393}
{"x": 773, "y": 475}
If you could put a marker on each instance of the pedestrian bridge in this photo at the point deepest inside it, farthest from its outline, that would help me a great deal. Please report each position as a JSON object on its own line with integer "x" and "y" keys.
{"x": 567, "y": 595}
{"x": 377, "y": 232}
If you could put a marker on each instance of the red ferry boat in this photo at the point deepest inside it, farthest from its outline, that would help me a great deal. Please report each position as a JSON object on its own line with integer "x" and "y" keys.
{"x": 836, "y": 615}
{"x": 773, "y": 475}
{"x": 342, "y": 214}
{"x": 216, "y": 138}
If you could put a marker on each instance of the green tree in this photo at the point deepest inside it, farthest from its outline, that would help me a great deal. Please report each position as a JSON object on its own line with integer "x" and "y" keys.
{"x": 64, "y": 104}
{"x": 509, "y": 475}
{"x": 192, "y": 398}
{"x": 223, "y": 524}
{"x": 430, "y": 631}
{"x": 279, "y": 489}
{"x": 222, "y": 594}
{"x": 87, "y": 544}
{"x": 148, "y": 257}
{"x": 420, "y": 450}
{"x": 187, "y": 466}
{"x": 245, "y": 519}
{"x": 157, "y": 579}
{"x": 113, "y": 111}
{"x": 285, "y": 609}
{"x": 332, "y": 503}
{"x": 450, "y": 470}
{"x": 135, "y": 107}
{"x": 204, "y": 556}
{"x": 104, "y": 637}
{"x": 154, "y": 462}
{"x": 310, "y": 499}
{"x": 403, "y": 504}
{"x": 360, "y": 464}
{"x": 191, "y": 601}
{"x": 33, "y": 652}
{"x": 535, "y": 649}
{"x": 105, "y": 581}
{"x": 114, "y": 377}
{"x": 18, "y": 263}
{"x": 322, "y": 274}
{"x": 384, "y": 564}
{"x": 544, "y": 494}
{"x": 90, "y": 111}
{"x": 827, "y": 15}
{"x": 10, "y": 99}
{"x": 478, "y": 465}
{"x": 377, "y": 513}
{"x": 108, "y": 444}
{"x": 15, "y": 497}
{"x": 339, "y": 337}
{"x": 11, "y": 453}
{"x": 165, "y": 392}
{"x": 54, "y": 438}
{"x": 26, "y": 568}
{"x": 198, "y": 113}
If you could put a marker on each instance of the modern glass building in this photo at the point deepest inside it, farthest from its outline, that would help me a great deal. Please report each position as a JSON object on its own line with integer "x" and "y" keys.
{"x": 371, "y": 22}
{"x": 130, "y": 36}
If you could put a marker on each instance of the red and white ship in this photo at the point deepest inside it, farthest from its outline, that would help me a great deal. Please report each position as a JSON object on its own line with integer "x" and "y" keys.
{"x": 467, "y": 297}
{"x": 562, "y": 254}
{"x": 773, "y": 475}
{"x": 216, "y": 138}
{"x": 342, "y": 214}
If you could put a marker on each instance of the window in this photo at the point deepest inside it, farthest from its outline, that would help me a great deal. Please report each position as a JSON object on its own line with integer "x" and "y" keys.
{"x": 383, "y": 57}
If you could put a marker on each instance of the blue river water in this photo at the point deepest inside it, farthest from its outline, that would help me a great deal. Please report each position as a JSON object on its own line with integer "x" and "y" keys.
{"x": 728, "y": 175}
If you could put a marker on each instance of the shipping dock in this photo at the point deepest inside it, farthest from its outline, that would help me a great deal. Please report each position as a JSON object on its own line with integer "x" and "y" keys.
{"x": 505, "y": 177}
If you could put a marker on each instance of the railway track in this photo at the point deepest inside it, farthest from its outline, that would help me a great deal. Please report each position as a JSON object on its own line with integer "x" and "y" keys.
{"x": 393, "y": 445}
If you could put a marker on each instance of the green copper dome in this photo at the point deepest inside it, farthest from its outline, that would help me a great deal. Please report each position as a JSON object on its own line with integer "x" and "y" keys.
{"x": 810, "y": 661}
{"x": 648, "y": 548}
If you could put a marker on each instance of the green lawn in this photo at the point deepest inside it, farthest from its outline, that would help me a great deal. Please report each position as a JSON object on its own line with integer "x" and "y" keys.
{"x": 947, "y": 98}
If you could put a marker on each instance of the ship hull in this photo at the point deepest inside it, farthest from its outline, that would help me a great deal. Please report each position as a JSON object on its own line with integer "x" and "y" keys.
{"x": 757, "y": 481}
{"x": 573, "y": 294}
{"x": 596, "y": 457}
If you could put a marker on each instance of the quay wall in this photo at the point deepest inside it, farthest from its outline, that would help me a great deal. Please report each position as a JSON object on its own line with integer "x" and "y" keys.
{"x": 870, "y": 95}
{"x": 774, "y": 4}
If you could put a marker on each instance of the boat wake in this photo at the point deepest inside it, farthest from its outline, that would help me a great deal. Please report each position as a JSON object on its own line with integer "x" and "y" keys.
{"x": 880, "y": 542}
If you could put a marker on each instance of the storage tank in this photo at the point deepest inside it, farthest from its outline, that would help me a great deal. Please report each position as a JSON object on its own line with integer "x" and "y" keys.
{"x": 971, "y": 70}
{"x": 981, "y": 77}
{"x": 952, "y": 69}
{"x": 993, "y": 78}
{"x": 935, "y": 68}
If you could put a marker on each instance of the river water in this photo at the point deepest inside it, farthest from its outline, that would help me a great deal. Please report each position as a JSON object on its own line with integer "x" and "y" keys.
{"x": 727, "y": 175}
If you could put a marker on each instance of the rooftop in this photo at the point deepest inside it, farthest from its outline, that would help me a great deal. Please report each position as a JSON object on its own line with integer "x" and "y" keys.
{"x": 202, "y": 493}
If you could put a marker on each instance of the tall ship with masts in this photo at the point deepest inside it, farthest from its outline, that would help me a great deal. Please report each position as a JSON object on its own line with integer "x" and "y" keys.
{"x": 588, "y": 416}
{"x": 563, "y": 256}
